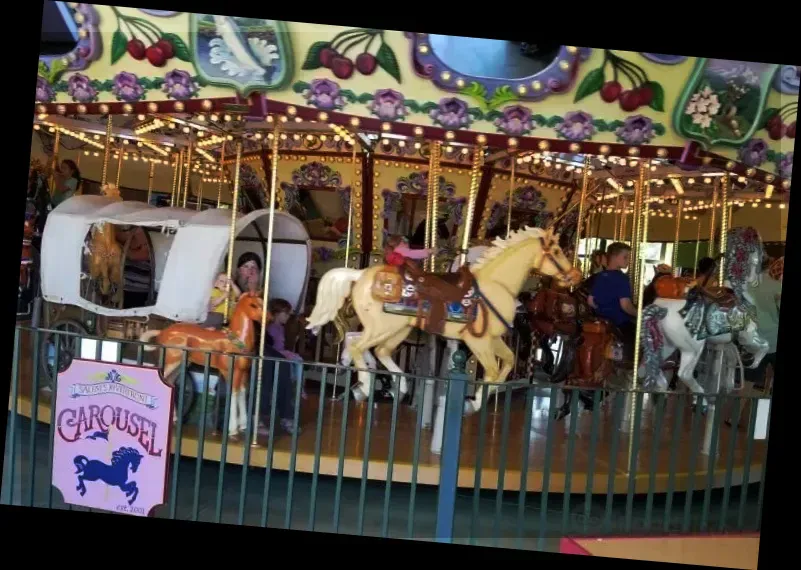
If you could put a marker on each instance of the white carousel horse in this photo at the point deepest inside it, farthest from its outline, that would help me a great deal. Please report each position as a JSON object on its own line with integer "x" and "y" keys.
{"x": 496, "y": 278}
{"x": 666, "y": 328}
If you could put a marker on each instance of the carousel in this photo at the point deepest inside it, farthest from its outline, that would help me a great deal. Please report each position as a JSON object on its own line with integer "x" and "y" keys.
{"x": 124, "y": 270}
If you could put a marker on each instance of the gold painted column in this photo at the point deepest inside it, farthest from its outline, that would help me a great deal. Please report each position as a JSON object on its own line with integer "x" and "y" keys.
{"x": 188, "y": 173}
{"x": 220, "y": 175}
{"x": 585, "y": 180}
{"x": 106, "y": 154}
{"x": 675, "y": 263}
{"x": 711, "y": 248}
{"x": 724, "y": 224}
{"x": 232, "y": 230}
{"x": 150, "y": 177}
{"x": 509, "y": 201}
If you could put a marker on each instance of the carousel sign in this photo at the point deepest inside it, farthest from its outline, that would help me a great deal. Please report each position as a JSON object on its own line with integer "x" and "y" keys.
{"x": 112, "y": 437}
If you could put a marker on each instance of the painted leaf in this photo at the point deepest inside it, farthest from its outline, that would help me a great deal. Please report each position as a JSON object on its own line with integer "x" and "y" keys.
{"x": 56, "y": 69}
{"x": 767, "y": 115}
{"x": 413, "y": 105}
{"x": 313, "y": 56}
{"x": 348, "y": 94}
{"x": 658, "y": 102}
{"x": 501, "y": 96}
{"x": 43, "y": 69}
{"x": 179, "y": 47}
{"x": 659, "y": 129}
{"x": 365, "y": 98}
{"x": 119, "y": 44}
{"x": 300, "y": 86}
{"x": 388, "y": 62}
{"x": 591, "y": 83}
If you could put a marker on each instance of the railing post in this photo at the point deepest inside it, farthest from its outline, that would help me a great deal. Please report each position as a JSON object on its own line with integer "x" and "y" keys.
{"x": 452, "y": 435}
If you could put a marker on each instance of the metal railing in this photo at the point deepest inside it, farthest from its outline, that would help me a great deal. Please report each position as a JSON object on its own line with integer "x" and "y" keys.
{"x": 521, "y": 476}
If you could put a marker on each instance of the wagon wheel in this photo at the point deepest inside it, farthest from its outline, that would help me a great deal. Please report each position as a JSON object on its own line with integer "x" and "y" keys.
{"x": 189, "y": 391}
{"x": 68, "y": 347}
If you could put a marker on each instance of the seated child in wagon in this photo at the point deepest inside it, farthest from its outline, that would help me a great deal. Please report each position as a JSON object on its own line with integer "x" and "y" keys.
{"x": 223, "y": 287}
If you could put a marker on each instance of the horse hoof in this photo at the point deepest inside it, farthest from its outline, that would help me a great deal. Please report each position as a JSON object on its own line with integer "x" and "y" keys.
{"x": 469, "y": 408}
{"x": 358, "y": 395}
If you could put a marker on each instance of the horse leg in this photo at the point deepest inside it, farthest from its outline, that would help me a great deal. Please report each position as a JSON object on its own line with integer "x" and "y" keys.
{"x": 383, "y": 352}
{"x": 228, "y": 376}
{"x": 81, "y": 488}
{"x": 483, "y": 350}
{"x": 357, "y": 350}
{"x": 507, "y": 357}
{"x": 239, "y": 376}
{"x": 754, "y": 344}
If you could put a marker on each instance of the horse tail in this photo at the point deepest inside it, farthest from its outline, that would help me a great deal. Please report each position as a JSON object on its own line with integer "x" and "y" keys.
{"x": 80, "y": 462}
{"x": 147, "y": 336}
{"x": 333, "y": 290}
{"x": 652, "y": 340}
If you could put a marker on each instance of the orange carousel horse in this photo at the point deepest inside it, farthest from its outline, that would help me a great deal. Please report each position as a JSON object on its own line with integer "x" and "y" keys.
{"x": 239, "y": 338}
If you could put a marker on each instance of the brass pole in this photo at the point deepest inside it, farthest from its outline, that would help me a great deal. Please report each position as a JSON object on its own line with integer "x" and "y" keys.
{"x": 350, "y": 213}
{"x": 644, "y": 191}
{"x": 106, "y": 154}
{"x": 617, "y": 218}
{"x": 429, "y": 197}
{"x": 150, "y": 177}
{"x": 724, "y": 223}
{"x": 712, "y": 220}
{"x": 475, "y": 176}
{"x": 188, "y": 172}
{"x": 509, "y": 206}
{"x": 200, "y": 192}
{"x": 676, "y": 239}
{"x": 267, "y": 266}
{"x": 434, "y": 173}
{"x": 174, "y": 179}
{"x": 585, "y": 180}
{"x": 697, "y": 249}
{"x": 232, "y": 232}
{"x": 624, "y": 215}
{"x": 54, "y": 166}
{"x": 220, "y": 180}
{"x": 119, "y": 169}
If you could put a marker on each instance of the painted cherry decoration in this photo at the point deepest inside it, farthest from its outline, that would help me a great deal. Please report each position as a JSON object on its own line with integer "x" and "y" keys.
{"x": 136, "y": 49}
{"x": 156, "y": 56}
{"x": 791, "y": 130}
{"x": 166, "y": 48}
{"x": 342, "y": 67}
{"x": 366, "y": 63}
{"x": 611, "y": 91}
{"x": 646, "y": 95}
{"x": 629, "y": 100}
{"x": 327, "y": 56}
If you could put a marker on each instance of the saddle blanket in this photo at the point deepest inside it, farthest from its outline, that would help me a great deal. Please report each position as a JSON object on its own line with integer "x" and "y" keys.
{"x": 463, "y": 311}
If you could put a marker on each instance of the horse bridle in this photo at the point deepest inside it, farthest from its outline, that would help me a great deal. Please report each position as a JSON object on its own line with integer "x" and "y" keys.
{"x": 549, "y": 256}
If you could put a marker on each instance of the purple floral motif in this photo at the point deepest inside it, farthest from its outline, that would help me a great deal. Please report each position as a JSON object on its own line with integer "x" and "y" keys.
{"x": 323, "y": 254}
{"x": 344, "y": 197}
{"x": 324, "y": 94}
{"x": 178, "y": 84}
{"x": 529, "y": 198}
{"x": 636, "y": 130}
{"x": 127, "y": 88}
{"x": 79, "y": 87}
{"x": 516, "y": 121}
{"x": 44, "y": 92}
{"x": 388, "y": 105}
{"x": 785, "y": 165}
{"x": 451, "y": 113}
{"x": 454, "y": 210}
{"x": 754, "y": 152}
{"x": 576, "y": 126}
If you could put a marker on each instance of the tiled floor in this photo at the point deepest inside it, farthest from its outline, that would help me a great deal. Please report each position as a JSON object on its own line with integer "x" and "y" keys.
{"x": 497, "y": 522}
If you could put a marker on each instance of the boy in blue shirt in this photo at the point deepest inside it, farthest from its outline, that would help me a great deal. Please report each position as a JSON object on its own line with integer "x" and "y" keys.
{"x": 611, "y": 295}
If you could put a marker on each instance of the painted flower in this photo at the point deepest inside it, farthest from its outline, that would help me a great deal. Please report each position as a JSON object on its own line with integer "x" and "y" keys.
{"x": 451, "y": 113}
{"x": 516, "y": 121}
{"x": 388, "y": 105}
{"x": 79, "y": 87}
{"x": 786, "y": 165}
{"x": 577, "y": 126}
{"x": 754, "y": 152}
{"x": 636, "y": 130}
{"x": 127, "y": 88}
{"x": 324, "y": 94}
{"x": 178, "y": 84}
{"x": 44, "y": 92}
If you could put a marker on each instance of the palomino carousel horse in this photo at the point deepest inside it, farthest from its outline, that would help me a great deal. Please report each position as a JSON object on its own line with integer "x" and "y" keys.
{"x": 239, "y": 338}
{"x": 474, "y": 305}
{"x": 105, "y": 256}
{"x": 685, "y": 319}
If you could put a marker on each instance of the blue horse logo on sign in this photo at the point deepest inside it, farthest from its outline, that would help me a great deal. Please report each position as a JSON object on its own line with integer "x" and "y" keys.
{"x": 114, "y": 475}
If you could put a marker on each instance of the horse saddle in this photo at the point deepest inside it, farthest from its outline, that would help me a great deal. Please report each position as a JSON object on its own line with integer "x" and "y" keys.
{"x": 595, "y": 353}
{"x": 436, "y": 291}
{"x": 552, "y": 311}
{"x": 669, "y": 287}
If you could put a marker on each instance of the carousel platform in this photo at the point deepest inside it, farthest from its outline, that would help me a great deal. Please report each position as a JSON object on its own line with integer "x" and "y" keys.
{"x": 503, "y": 461}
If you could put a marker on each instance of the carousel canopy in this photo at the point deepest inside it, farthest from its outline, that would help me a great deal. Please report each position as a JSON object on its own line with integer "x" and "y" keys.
{"x": 186, "y": 262}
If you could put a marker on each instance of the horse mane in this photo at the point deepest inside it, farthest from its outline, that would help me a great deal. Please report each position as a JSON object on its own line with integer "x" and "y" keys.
{"x": 741, "y": 241}
{"x": 122, "y": 454}
{"x": 500, "y": 244}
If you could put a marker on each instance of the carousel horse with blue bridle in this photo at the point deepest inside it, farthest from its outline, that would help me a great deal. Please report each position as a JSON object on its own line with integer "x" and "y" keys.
{"x": 685, "y": 316}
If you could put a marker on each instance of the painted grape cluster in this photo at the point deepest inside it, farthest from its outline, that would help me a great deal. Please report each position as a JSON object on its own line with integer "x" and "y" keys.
{"x": 333, "y": 54}
{"x": 642, "y": 91}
